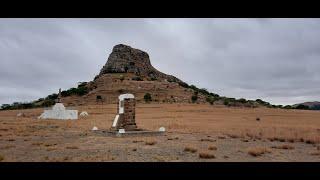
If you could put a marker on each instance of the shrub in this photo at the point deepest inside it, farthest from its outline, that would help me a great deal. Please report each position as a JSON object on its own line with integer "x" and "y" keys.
{"x": 72, "y": 147}
{"x": 121, "y": 77}
{"x": 5, "y": 106}
{"x": 121, "y": 91}
{"x": 213, "y": 148}
{"x": 194, "y": 98}
{"x": 137, "y": 78}
{"x": 242, "y": 100}
{"x": 301, "y": 106}
{"x": 48, "y": 103}
{"x": 190, "y": 149}
{"x": 258, "y": 151}
{"x": 147, "y": 97}
{"x": 1, "y": 158}
{"x": 183, "y": 84}
{"x": 226, "y": 102}
{"x": 287, "y": 107}
{"x": 210, "y": 100}
{"x": 285, "y": 146}
{"x": 151, "y": 143}
{"x": 204, "y": 155}
{"x": 82, "y": 84}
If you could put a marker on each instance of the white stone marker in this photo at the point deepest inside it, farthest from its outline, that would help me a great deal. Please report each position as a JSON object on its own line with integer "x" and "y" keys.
{"x": 122, "y": 131}
{"x": 162, "y": 129}
{"x": 94, "y": 128}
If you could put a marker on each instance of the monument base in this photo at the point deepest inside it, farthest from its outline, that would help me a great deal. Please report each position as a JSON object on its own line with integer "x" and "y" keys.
{"x": 138, "y": 132}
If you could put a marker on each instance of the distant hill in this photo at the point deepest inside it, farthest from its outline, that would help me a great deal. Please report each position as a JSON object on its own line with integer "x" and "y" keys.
{"x": 315, "y": 105}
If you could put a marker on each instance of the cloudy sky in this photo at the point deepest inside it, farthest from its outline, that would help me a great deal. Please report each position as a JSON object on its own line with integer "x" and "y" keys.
{"x": 277, "y": 60}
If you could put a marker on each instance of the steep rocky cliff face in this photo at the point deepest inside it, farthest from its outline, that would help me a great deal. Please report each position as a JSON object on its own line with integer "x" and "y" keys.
{"x": 125, "y": 59}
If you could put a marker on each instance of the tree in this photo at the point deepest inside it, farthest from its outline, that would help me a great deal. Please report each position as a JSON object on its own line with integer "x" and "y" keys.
{"x": 301, "y": 106}
{"x": 147, "y": 97}
{"x": 242, "y": 100}
{"x": 194, "y": 98}
{"x": 99, "y": 99}
{"x": 226, "y": 102}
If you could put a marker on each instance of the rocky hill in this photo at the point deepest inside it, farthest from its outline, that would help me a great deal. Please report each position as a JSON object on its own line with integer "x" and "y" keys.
{"x": 129, "y": 70}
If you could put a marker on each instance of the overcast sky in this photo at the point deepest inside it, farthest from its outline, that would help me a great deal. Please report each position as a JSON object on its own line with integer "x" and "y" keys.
{"x": 277, "y": 60}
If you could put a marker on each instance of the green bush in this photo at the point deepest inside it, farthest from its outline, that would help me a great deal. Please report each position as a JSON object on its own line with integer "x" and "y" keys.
{"x": 194, "y": 98}
{"x": 301, "y": 106}
{"x": 153, "y": 79}
{"x": 210, "y": 100}
{"x": 80, "y": 91}
{"x": 98, "y": 97}
{"x": 137, "y": 78}
{"x": 242, "y": 100}
{"x": 287, "y": 107}
{"x": 226, "y": 102}
{"x": 185, "y": 85}
{"x": 147, "y": 97}
{"x": 121, "y": 91}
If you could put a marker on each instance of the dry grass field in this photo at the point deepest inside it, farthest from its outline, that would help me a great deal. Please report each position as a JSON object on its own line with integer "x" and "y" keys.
{"x": 195, "y": 132}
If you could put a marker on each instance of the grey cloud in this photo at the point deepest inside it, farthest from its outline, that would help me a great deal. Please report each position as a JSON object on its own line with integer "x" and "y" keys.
{"x": 273, "y": 59}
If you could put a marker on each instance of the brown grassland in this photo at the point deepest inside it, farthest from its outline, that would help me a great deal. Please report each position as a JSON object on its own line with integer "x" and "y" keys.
{"x": 212, "y": 133}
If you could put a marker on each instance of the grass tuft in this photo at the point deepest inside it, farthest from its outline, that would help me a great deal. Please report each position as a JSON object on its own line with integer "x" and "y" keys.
{"x": 190, "y": 149}
{"x": 205, "y": 155}
{"x": 258, "y": 151}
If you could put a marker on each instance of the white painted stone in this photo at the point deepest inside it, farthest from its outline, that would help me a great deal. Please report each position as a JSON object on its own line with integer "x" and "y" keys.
{"x": 115, "y": 121}
{"x": 121, "y": 98}
{"x": 126, "y": 96}
{"x": 20, "y": 114}
{"x": 122, "y": 131}
{"x": 84, "y": 114}
{"x": 162, "y": 129}
{"x": 94, "y": 128}
{"x": 59, "y": 112}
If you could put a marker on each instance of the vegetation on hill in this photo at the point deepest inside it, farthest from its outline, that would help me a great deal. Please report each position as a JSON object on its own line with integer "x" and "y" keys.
{"x": 48, "y": 101}
{"x": 147, "y": 97}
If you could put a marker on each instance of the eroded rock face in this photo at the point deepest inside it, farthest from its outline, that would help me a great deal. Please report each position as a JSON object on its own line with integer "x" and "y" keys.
{"x": 125, "y": 59}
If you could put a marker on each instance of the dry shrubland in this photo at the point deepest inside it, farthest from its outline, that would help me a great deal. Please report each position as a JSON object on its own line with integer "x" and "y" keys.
{"x": 258, "y": 151}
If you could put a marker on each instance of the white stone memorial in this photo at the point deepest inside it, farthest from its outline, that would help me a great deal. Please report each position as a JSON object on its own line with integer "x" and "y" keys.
{"x": 59, "y": 112}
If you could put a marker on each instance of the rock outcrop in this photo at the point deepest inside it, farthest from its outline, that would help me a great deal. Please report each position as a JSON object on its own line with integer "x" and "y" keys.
{"x": 125, "y": 59}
